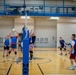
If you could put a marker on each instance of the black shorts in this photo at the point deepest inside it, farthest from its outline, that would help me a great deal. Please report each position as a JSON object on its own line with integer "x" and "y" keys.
{"x": 63, "y": 47}
{"x": 6, "y": 47}
{"x": 14, "y": 46}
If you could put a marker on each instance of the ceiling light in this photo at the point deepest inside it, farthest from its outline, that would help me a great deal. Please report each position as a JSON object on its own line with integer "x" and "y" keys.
{"x": 54, "y": 17}
{"x": 24, "y": 17}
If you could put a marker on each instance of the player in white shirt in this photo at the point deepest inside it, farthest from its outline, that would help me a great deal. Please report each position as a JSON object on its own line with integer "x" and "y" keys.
{"x": 73, "y": 52}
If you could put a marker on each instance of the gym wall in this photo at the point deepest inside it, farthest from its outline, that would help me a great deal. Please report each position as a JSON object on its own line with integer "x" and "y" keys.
{"x": 51, "y": 29}
{"x": 6, "y": 26}
{"x": 65, "y": 28}
{"x": 45, "y": 31}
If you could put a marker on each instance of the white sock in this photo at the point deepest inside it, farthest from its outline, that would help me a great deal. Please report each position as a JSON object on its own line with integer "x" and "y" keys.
{"x": 72, "y": 66}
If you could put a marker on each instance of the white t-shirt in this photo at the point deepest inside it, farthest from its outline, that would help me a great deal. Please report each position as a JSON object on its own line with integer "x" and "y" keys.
{"x": 72, "y": 44}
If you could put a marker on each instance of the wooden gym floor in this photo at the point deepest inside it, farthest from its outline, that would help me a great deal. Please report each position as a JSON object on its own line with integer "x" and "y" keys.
{"x": 47, "y": 61}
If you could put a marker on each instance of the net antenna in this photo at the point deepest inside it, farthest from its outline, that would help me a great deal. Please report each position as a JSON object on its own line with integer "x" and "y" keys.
{"x": 25, "y": 25}
{"x": 25, "y": 20}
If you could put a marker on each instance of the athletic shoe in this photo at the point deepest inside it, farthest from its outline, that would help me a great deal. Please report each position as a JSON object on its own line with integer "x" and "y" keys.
{"x": 7, "y": 57}
{"x": 21, "y": 60}
{"x": 31, "y": 58}
{"x": 74, "y": 66}
{"x": 71, "y": 68}
{"x": 3, "y": 56}
{"x": 65, "y": 54}
{"x": 16, "y": 59}
{"x": 60, "y": 53}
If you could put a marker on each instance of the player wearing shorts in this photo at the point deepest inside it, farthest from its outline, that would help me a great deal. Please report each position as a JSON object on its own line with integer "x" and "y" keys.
{"x": 73, "y": 52}
{"x": 31, "y": 46}
{"x": 6, "y": 46}
{"x": 13, "y": 47}
{"x": 33, "y": 38}
{"x": 62, "y": 45}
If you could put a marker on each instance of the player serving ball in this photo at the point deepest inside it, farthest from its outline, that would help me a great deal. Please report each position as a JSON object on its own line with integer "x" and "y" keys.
{"x": 14, "y": 40}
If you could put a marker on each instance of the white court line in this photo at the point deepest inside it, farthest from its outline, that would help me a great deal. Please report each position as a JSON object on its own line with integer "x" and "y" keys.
{"x": 62, "y": 57}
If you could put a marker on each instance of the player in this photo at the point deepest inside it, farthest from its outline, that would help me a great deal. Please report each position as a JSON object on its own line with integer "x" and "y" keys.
{"x": 62, "y": 45}
{"x": 33, "y": 38}
{"x": 6, "y": 45}
{"x": 14, "y": 40}
{"x": 31, "y": 47}
{"x": 73, "y": 52}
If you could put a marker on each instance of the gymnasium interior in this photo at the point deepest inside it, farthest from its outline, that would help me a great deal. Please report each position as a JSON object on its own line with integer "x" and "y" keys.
{"x": 49, "y": 20}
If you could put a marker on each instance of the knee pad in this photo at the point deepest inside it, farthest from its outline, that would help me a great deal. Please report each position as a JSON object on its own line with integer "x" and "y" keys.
{"x": 9, "y": 52}
{"x": 31, "y": 51}
{"x": 60, "y": 48}
{"x": 15, "y": 52}
{"x": 6, "y": 55}
{"x": 64, "y": 48}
